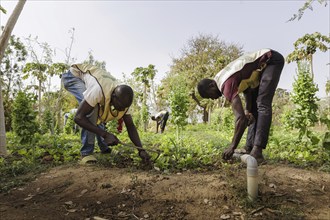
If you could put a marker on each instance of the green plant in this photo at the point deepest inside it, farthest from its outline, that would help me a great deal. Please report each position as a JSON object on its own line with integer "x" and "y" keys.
{"x": 304, "y": 97}
{"x": 24, "y": 117}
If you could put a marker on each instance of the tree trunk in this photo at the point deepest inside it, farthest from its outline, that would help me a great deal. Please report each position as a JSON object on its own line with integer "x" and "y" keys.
{"x": 10, "y": 26}
{"x": 3, "y": 149}
{"x": 39, "y": 101}
{"x": 311, "y": 66}
{"x": 145, "y": 122}
{"x": 4, "y": 38}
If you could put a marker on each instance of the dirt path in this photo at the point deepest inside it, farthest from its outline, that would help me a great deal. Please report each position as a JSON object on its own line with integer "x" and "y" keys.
{"x": 112, "y": 193}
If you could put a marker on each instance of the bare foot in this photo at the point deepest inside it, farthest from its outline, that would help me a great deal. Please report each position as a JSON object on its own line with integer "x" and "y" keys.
{"x": 257, "y": 154}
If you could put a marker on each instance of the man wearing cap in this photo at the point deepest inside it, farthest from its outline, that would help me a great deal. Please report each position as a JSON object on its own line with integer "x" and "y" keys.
{"x": 256, "y": 75}
{"x": 101, "y": 99}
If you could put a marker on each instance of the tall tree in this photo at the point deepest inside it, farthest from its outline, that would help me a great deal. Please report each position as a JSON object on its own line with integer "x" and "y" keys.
{"x": 10, "y": 71}
{"x": 42, "y": 56}
{"x": 4, "y": 38}
{"x": 306, "y": 46}
{"x": 304, "y": 115}
{"x": 145, "y": 75}
{"x": 57, "y": 69}
{"x": 202, "y": 57}
{"x": 179, "y": 103}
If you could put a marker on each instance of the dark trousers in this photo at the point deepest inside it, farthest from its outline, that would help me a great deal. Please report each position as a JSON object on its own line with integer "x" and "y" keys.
{"x": 262, "y": 99}
{"x": 163, "y": 122}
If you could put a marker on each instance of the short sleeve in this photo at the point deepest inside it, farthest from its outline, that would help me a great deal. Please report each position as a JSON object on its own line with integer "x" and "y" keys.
{"x": 93, "y": 95}
{"x": 230, "y": 89}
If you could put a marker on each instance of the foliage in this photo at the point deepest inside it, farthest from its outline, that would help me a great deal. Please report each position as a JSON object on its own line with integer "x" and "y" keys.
{"x": 203, "y": 57}
{"x": 179, "y": 101}
{"x": 200, "y": 148}
{"x": 222, "y": 119}
{"x": 37, "y": 70}
{"x": 24, "y": 117}
{"x": 47, "y": 150}
{"x": 145, "y": 75}
{"x": 92, "y": 61}
{"x": 304, "y": 97}
{"x": 10, "y": 72}
{"x": 327, "y": 87}
{"x": 51, "y": 111}
{"x": 307, "y": 5}
{"x": 47, "y": 121}
{"x": 281, "y": 101}
{"x": 307, "y": 45}
{"x": 3, "y": 10}
{"x": 69, "y": 125}
{"x": 285, "y": 146}
{"x": 325, "y": 117}
{"x": 57, "y": 68}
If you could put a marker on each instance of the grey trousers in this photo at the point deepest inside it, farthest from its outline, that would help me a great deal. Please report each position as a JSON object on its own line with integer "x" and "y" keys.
{"x": 262, "y": 99}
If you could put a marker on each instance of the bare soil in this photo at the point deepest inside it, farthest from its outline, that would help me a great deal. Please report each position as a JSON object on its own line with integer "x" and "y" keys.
{"x": 94, "y": 192}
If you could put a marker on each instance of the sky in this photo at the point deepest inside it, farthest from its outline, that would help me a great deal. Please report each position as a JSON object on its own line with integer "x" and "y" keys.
{"x": 130, "y": 34}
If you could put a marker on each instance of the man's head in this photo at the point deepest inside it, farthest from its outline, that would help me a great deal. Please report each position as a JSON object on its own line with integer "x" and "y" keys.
{"x": 122, "y": 97}
{"x": 208, "y": 88}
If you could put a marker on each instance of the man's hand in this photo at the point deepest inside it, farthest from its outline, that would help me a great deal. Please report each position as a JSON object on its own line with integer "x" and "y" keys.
{"x": 111, "y": 139}
{"x": 146, "y": 160}
{"x": 228, "y": 153}
{"x": 250, "y": 118}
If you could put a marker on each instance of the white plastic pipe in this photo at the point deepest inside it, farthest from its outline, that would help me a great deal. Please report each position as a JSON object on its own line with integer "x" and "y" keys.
{"x": 252, "y": 175}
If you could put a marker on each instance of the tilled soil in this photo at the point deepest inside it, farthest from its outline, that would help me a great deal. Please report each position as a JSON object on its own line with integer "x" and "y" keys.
{"x": 93, "y": 192}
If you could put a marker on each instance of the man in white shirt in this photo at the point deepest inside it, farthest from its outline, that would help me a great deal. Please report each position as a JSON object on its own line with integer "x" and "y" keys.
{"x": 161, "y": 119}
{"x": 101, "y": 99}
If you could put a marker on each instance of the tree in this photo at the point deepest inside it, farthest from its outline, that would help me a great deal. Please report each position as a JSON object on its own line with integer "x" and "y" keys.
{"x": 37, "y": 70}
{"x": 42, "y": 56}
{"x": 307, "y": 5}
{"x": 4, "y": 38}
{"x": 306, "y": 46}
{"x": 10, "y": 71}
{"x": 304, "y": 115}
{"x": 203, "y": 57}
{"x": 179, "y": 101}
{"x": 145, "y": 75}
{"x": 92, "y": 61}
{"x": 327, "y": 87}
{"x": 56, "y": 69}
{"x": 24, "y": 117}
{"x": 281, "y": 101}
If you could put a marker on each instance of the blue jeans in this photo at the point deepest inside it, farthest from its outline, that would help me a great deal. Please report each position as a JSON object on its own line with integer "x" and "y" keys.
{"x": 76, "y": 87}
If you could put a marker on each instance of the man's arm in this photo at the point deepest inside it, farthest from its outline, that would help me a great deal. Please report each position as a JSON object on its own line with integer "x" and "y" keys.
{"x": 240, "y": 125}
{"x": 248, "y": 100}
{"x": 248, "y": 105}
{"x": 134, "y": 136}
{"x": 132, "y": 131}
{"x": 81, "y": 119}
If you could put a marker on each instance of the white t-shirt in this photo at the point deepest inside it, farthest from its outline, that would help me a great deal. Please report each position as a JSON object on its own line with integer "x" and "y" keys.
{"x": 93, "y": 93}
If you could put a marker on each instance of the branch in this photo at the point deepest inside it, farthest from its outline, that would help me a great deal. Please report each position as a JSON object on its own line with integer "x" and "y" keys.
{"x": 307, "y": 5}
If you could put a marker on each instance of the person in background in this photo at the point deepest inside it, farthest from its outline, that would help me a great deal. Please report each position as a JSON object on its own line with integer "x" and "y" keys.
{"x": 256, "y": 75}
{"x": 101, "y": 99}
{"x": 161, "y": 119}
{"x": 71, "y": 113}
